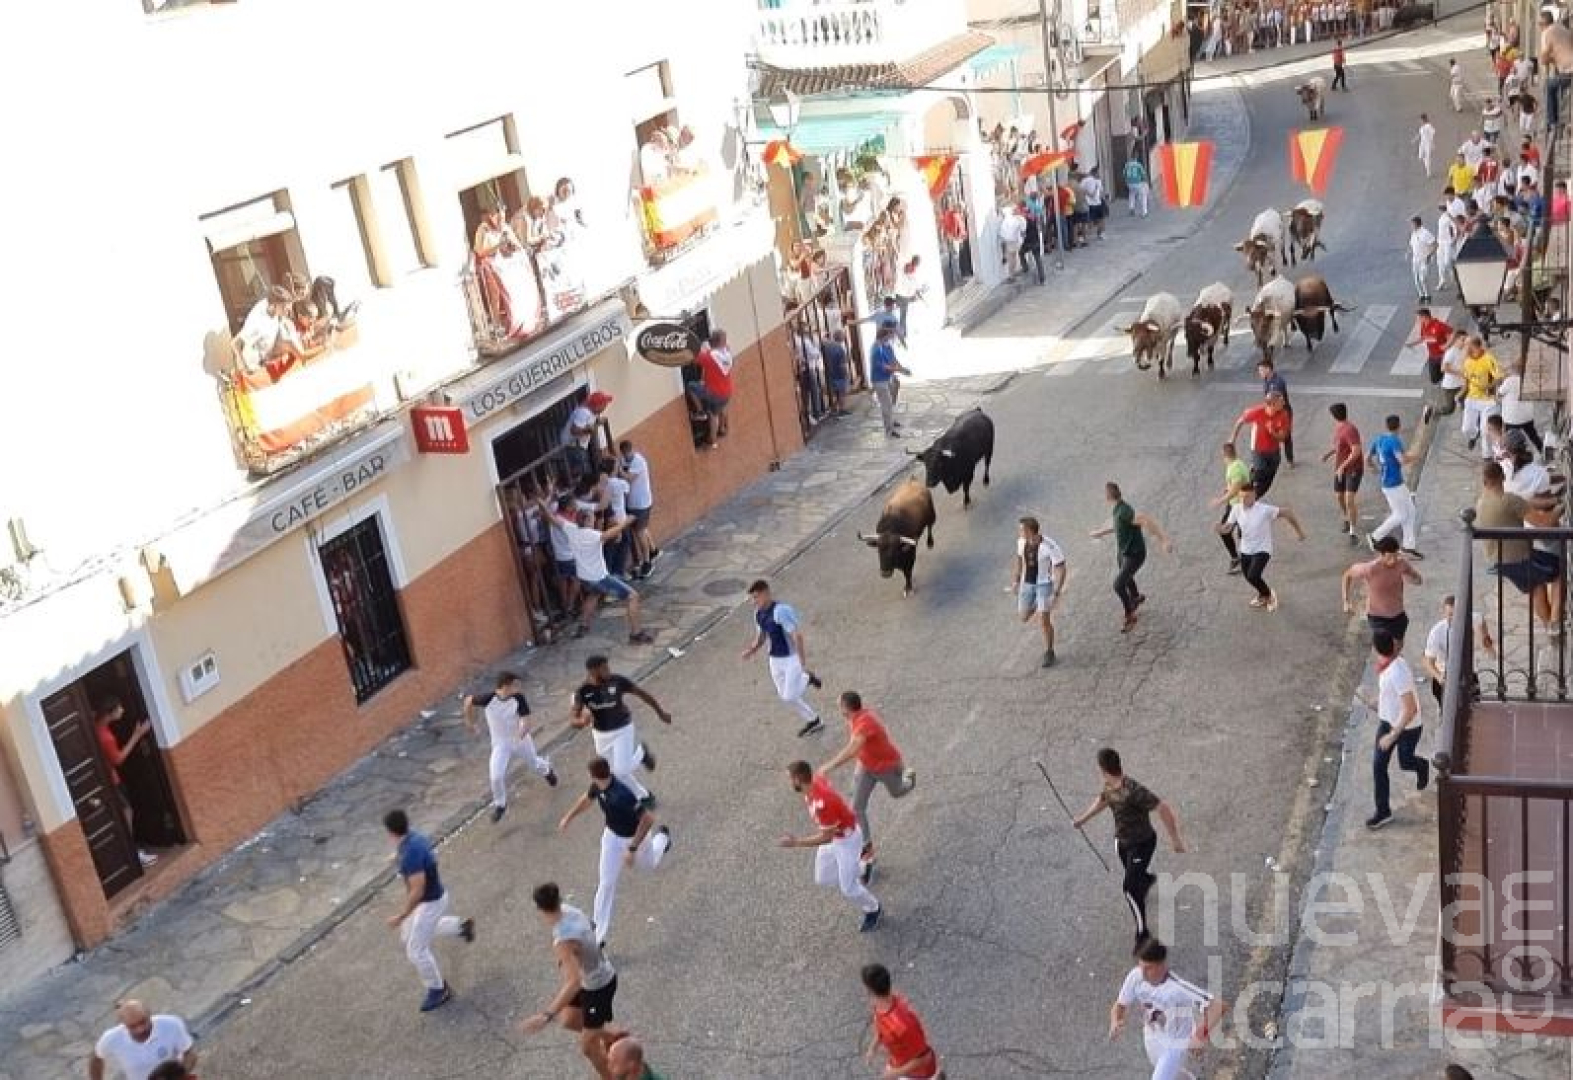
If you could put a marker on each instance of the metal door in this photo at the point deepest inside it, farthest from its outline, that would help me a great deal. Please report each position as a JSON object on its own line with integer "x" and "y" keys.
{"x": 70, "y": 721}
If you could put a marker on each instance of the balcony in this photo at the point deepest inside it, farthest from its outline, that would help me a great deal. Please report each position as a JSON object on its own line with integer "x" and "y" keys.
{"x": 676, "y": 212}
{"x": 836, "y": 33}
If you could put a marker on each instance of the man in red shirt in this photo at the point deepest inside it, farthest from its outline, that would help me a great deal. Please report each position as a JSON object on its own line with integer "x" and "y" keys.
{"x": 898, "y": 1029}
{"x": 837, "y": 842}
{"x": 712, "y": 391}
{"x": 878, "y": 762}
{"x": 1348, "y": 458}
{"x": 1437, "y": 335}
{"x": 1340, "y": 80}
{"x": 1271, "y": 427}
{"x": 109, "y": 711}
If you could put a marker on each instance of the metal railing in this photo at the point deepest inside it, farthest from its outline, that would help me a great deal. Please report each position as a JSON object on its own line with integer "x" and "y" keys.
{"x": 797, "y": 33}
{"x": 809, "y": 330}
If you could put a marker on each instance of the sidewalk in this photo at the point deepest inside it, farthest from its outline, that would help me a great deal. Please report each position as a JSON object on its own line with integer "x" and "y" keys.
{"x": 217, "y": 941}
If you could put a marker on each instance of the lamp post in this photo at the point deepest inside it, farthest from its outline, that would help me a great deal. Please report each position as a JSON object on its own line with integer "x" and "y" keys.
{"x": 1054, "y": 128}
{"x": 785, "y": 110}
{"x": 1480, "y": 269}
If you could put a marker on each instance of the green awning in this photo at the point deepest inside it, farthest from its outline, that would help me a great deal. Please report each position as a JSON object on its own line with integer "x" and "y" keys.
{"x": 843, "y": 133}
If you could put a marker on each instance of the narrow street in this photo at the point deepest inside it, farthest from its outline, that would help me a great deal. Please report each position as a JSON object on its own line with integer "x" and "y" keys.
{"x": 999, "y": 924}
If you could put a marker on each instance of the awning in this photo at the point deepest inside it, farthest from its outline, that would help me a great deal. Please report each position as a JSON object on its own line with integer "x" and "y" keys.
{"x": 993, "y": 58}
{"x": 823, "y": 135}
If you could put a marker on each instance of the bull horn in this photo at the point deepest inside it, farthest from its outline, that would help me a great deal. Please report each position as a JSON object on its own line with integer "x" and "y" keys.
{"x": 1122, "y": 329}
{"x": 1318, "y": 310}
{"x": 947, "y": 453}
{"x": 915, "y": 453}
{"x": 1240, "y": 246}
{"x": 909, "y": 541}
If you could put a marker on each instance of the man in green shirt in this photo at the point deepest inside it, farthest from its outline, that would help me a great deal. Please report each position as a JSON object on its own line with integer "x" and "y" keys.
{"x": 626, "y": 1061}
{"x": 1236, "y": 475}
{"x": 1130, "y": 549}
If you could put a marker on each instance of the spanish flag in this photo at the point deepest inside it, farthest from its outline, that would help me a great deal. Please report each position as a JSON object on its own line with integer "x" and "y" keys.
{"x": 1311, "y": 156}
{"x": 781, "y": 153}
{"x": 936, "y": 172}
{"x": 1070, "y": 131}
{"x": 1043, "y": 162}
{"x": 1185, "y": 167}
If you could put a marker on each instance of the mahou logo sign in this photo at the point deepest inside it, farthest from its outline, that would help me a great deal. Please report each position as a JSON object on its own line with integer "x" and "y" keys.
{"x": 667, "y": 344}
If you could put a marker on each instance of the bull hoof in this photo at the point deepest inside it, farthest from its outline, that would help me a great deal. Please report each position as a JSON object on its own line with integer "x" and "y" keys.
{"x": 1141, "y": 366}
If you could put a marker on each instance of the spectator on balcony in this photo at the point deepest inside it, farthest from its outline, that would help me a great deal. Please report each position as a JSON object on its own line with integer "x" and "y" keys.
{"x": 268, "y": 337}
{"x": 1556, "y": 61}
{"x": 1529, "y": 570}
{"x": 711, "y": 393}
{"x": 579, "y": 435}
{"x": 655, "y": 158}
{"x": 509, "y": 291}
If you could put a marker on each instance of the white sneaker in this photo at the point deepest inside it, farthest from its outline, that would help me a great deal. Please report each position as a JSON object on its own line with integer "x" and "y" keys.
{"x": 146, "y": 858}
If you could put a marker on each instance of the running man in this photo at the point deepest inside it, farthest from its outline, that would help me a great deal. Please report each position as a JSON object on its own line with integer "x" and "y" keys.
{"x": 1384, "y": 578}
{"x": 1398, "y": 726}
{"x": 1436, "y": 334}
{"x": 598, "y": 705}
{"x": 1455, "y": 85}
{"x": 1178, "y": 1017}
{"x": 1389, "y": 457}
{"x": 1422, "y": 250}
{"x": 1130, "y": 549}
{"x": 1236, "y": 478}
{"x": 1273, "y": 382}
{"x": 1135, "y": 840}
{"x": 589, "y": 982}
{"x": 505, "y": 709}
{"x": 1255, "y": 520}
{"x": 1348, "y": 469}
{"x": 1038, "y": 580}
{"x": 1482, "y": 376}
{"x": 778, "y": 624}
{"x": 897, "y": 1028}
{"x": 1272, "y": 427}
{"x": 878, "y": 762}
{"x": 1425, "y": 141}
{"x": 631, "y": 838}
{"x": 424, "y": 915}
{"x": 837, "y": 844}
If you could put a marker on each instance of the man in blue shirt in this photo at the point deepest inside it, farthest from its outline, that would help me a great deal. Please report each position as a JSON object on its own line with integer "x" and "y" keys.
{"x": 882, "y": 369}
{"x": 629, "y": 825}
{"x": 778, "y": 625}
{"x": 424, "y": 914}
{"x": 1272, "y": 381}
{"x": 1389, "y": 458}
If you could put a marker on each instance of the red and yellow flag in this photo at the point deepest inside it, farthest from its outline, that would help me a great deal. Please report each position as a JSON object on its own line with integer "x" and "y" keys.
{"x": 1070, "y": 131}
{"x": 1311, "y": 156}
{"x": 1185, "y": 168}
{"x": 781, "y": 153}
{"x": 936, "y": 172}
{"x": 1038, "y": 163}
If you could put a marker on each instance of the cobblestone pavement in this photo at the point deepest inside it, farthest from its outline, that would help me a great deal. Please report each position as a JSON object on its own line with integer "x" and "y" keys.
{"x": 203, "y": 952}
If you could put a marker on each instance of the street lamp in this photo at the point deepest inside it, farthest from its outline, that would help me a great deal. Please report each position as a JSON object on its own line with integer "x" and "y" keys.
{"x": 1481, "y": 269}
{"x": 784, "y": 106}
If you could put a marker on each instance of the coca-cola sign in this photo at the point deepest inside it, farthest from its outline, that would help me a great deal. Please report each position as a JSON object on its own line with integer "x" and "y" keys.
{"x": 667, "y": 344}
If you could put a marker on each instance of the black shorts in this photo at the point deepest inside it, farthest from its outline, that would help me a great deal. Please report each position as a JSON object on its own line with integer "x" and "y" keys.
{"x": 1434, "y": 369}
{"x": 596, "y": 1005}
{"x": 1347, "y": 482}
{"x": 1396, "y": 625}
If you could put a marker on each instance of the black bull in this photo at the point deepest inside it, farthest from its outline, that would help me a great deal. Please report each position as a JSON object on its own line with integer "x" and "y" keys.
{"x": 1313, "y": 306}
{"x": 953, "y": 458}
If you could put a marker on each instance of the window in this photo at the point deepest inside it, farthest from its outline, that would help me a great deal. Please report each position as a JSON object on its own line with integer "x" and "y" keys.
{"x": 366, "y": 607}
{"x": 654, "y": 113}
{"x": 389, "y": 222}
{"x": 253, "y": 245}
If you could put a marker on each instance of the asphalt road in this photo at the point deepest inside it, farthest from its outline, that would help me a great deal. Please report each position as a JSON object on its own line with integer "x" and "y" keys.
{"x": 999, "y": 924}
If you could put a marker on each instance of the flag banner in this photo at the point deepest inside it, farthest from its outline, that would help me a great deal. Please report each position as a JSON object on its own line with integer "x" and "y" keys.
{"x": 936, "y": 172}
{"x": 1069, "y": 133}
{"x": 781, "y": 153}
{"x": 1185, "y": 168}
{"x": 1038, "y": 163}
{"x": 1312, "y": 154}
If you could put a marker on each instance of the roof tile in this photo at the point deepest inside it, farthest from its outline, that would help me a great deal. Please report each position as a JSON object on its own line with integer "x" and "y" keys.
{"x": 918, "y": 70}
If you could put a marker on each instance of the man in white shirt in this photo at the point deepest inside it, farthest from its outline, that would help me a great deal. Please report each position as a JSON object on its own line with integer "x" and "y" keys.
{"x": 505, "y": 709}
{"x": 1038, "y": 580}
{"x": 1422, "y": 249}
{"x": 596, "y": 581}
{"x": 1439, "y": 640}
{"x": 1473, "y": 149}
{"x": 139, "y": 1044}
{"x": 1254, "y": 519}
{"x": 1518, "y": 414}
{"x": 579, "y": 436}
{"x": 1178, "y": 1017}
{"x": 1013, "y": 227}
{"x": 1097, "y": 204}
{"x": 1455, "y": 85}
{"x": 909, "y": 289}
{"x": 1398, "y": 725}
{"x": 1446, "y": 248}
{"x": 641, "y": 501}
{"x": 1425, "y": 140}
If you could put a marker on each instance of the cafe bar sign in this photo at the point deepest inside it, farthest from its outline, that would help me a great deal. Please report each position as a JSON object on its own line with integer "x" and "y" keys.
{"x": 557, "y": 355}
{"x": 668, "y": 344}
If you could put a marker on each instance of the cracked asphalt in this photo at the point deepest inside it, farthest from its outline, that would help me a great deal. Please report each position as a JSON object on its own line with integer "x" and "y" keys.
{"x": 999, "y": 924}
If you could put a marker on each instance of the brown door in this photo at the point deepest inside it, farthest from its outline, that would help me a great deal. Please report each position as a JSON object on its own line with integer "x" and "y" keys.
{"x": 70, "y": 721}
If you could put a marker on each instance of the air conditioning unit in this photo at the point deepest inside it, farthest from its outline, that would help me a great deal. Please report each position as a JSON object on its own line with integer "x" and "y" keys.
{"x": 199, "y": 676}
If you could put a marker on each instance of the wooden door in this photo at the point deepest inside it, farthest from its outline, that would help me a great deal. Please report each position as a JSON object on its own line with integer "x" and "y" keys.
{"x": 70, "y": 721}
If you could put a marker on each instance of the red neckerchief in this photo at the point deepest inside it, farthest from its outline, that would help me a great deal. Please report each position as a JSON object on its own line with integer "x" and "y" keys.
{"x": 1383, "y": 663}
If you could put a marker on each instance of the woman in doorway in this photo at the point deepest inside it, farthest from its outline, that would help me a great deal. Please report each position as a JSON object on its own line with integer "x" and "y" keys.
{"x": 508, "y": 282}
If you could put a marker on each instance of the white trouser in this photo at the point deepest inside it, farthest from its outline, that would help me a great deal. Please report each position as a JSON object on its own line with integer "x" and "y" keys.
{"x": 624, "y": 753}
{"x": 1444, "y": 266}
{"x": 1425, "y": 157}
{"x": 884, "y": 395}
{"x": 838, "y": 863}
{"x": 1475, "y": 412}
{"x": 1456, "y": 93}
{"x": 791, "y": 683}
{"x": 1137, "y": 198}
{"x": 1167, "y": 1056}
{"x": 613, "y": 849}
{"x": 1400, "y": 516}
{"x": 420, "y": 927}
{"x": 503, "y": 754}
{"x": 1418, "y": 266}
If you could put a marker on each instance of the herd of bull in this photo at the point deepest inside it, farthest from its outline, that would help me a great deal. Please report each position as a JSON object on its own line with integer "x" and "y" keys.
{"x": 1280, "y": 308}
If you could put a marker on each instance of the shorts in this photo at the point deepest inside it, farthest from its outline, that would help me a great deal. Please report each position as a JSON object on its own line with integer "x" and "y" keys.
{"x": 1347, "y": 483}
{"x": 1396, "y": 625}
{"x": 641, "y": 517}
{"x": 839, "y": 384}
{"x": 1079, "y": 217}
{"x": 1034, "y": 596}
{"x": 596, "y": 1005}
{"x": 565, "y": 568}
{"x": 1099, "y": 212}
{"x": 614, "y": 588}
{"x": 702, "y": 394}
{"x": 1540, "y": 568}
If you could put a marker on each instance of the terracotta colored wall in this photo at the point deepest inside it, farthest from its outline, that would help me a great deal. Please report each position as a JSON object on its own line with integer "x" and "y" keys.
{"x": 689, "y": 482}
{"x": 81, "y": 896}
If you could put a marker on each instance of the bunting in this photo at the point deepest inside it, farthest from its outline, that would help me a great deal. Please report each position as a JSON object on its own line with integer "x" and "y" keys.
{"x": 781, "y": 153}
{"x": 1069, "y": 133}
{"x": 1038, "y": 163}
{"x": 936, "y": 172}
{"x": 1311, "y": 156}
{"x": 1185, "y": 167}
